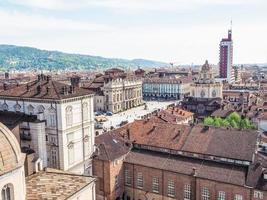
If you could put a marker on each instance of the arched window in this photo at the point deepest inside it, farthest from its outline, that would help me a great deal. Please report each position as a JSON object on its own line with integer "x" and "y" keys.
{"x": 17, "y": 107}
{"x": 69, "y": 116}
{"x": 214, "y": 93}
{"x": 30, "y": 109}
{"x": 7, "y": 192}
{"x": 85, "y": 111}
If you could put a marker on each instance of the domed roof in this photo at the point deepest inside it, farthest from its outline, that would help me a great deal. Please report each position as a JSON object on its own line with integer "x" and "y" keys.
{"x": 206, "y": 66}
{"x": 10, "y": 153}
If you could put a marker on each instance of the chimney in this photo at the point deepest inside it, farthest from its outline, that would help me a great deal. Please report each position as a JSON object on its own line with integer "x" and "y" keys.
{"x": 38, "y": 89}
{"x": 39, "y": 77}
{"x": 75, "y": 81}
{"x": 48, "y": 78}
{"x": 27, "y": 87}
{"x": 47, "y": 89}
{"x": 128, "y": 134}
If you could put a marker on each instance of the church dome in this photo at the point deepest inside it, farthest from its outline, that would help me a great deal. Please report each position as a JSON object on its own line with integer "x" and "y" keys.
{"x": 10, "y": 153}
{"x": 206, "y": 66}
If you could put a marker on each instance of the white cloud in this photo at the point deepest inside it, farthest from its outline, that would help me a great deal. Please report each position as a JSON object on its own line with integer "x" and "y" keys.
{"x": 186, "y": 44}
{"x": 17, "y": 22}
{"x": 136, "y": 5}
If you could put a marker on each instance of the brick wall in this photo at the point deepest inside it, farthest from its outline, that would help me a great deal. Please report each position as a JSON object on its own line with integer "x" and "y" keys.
{"x": 106, "y": 172}
{"x": 180, "y": 181}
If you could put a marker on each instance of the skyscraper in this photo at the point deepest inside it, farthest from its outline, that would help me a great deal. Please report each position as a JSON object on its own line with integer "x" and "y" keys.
{"x": 226, "y": 58}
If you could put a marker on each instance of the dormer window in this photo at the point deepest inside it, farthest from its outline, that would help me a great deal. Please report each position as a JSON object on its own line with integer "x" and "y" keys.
{"x": 17, "y": 107}
{"x": 30, "y": 109}
{"x": 5, "y": 107}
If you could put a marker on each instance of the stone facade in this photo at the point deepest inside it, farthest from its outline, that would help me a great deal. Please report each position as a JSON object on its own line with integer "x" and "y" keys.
{"x": 167, "y": 88}
{"x": 116, "y": 91}
{"x": 65, "y": 139}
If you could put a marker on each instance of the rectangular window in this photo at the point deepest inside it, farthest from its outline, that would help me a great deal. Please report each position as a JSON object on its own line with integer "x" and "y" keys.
{"x": 155, "y": 184}
{"x": 171, "y": 190}
{"x": 238, "y": 197}
{"x": 221, "y": 195}
{"x": 258, "y": 194}
{"x": 87, "y": 142}
{"x": 187, "y": 192}
{"x": 116, "y": 181}
{"x": 205, "y": 194}
{"x": 139, "y": 180}
{"x": 128, "y": 179}
{"x": 53, "y": 158}
{"x": 70, "y": 146}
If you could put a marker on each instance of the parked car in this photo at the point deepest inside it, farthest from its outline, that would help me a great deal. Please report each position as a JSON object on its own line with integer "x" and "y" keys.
{"x": 98, "y": 125}
{"x": 109, "y": 113}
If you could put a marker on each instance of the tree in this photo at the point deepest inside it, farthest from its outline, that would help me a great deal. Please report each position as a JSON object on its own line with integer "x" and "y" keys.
{"x": 234, "y": 124}
{"x": 218, "y": 122}
{"x": 208, "y": 121}
{"x": 234, "y": 116}
{"x": 225, "y": 123}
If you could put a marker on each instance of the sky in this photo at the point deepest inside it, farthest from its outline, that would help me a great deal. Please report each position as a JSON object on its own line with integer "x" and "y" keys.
{"x": 177, "y": 31}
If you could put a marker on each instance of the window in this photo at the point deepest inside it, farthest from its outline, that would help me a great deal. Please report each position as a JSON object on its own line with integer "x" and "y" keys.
{"x": 70, "y": 138}
{"x": 238, "y": 197}
{"x": 41, "y": 109}
{"x": 128, "y": 178}
{"x": 116, "y": 181}
{"x": 7, "y": 192}
{"x": 258, "y": 194}
{"x": 30, "y": 109}
{"x": 205, "y": 194}
{"x": 52, "y": 120}
{"x": 170, "y": 191}
{"x": 85, "y": 111}
{"x": 187, "y": 192}
{"x": 5, "y": 107}
{"x": 139, "y": 180}
{"x": 87, "y": 142}
{"x": 69, "y": 116}
{"x": 221, "y": 195}
{"x": 53, "y": 158}
{"x": 17, "y": 107}
{"x": 155, "y": 184}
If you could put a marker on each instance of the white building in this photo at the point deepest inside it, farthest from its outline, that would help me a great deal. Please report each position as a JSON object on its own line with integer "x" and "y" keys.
{"x": 68, "y": 140}
{"x": 206, "y": 86}
{"x": 116, "y": 91}
{"x": 12, "y": 178}
{"x": 44, "y": 184}
{"x": 166, "y": 88}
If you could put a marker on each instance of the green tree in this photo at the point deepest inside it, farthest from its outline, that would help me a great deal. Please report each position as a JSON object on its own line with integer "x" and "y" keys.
{"x": 208, "y": 121}
{"x": 234, "y": 116}
{"x": 218, "y": 122}
{"x": 234, "y": 124}
{"x": 225, "y": 123}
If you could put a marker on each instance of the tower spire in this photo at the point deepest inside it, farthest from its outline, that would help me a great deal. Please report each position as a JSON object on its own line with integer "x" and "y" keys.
{"x": 230, "y": 31}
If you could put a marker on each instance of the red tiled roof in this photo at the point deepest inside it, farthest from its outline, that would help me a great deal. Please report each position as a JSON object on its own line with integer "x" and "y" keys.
{"x": 44, "y": 89}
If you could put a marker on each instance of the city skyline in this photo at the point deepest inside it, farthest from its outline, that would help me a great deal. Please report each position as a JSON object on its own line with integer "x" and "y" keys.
{"x": 182, "y": 32}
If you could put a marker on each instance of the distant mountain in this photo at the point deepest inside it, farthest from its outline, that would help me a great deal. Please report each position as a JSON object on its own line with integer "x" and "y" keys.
{"x": 27, "y": 58}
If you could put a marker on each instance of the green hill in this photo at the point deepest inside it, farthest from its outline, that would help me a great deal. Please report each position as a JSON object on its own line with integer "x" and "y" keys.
{"x": 27, "y": 58}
